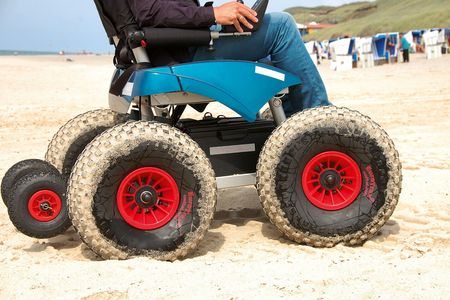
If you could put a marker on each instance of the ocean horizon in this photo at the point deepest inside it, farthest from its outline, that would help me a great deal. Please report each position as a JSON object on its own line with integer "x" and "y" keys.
{"x": 22, "y": 52}
{"x": 28, "y": 52}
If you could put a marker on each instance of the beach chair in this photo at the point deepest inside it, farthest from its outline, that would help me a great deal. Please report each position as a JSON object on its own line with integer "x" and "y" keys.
{"x": 342, "y": 54}
{"x": 142, "y": 180}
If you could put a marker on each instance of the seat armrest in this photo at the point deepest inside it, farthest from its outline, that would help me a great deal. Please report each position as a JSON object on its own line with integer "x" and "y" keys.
{"x": 170, "y": 37}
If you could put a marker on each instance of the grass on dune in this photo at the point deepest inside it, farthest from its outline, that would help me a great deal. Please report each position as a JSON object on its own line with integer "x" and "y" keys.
{"x": 368, "y": 18}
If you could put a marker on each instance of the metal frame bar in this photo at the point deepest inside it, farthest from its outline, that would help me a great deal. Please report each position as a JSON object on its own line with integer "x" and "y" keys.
{"x": 276, "y": 106}
{"x": 233, "y": 181}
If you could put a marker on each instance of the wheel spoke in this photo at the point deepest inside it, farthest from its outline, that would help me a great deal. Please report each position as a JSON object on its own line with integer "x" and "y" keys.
{"x": 164, "y": 190}
{"x": 141, "y": 182}
{"x": 44, "y": 199}
{"x": 323, "y": 196}
{"x": 158, "y": 182}
{"x": 316, "y": 189}
{"x": 134, "y": 212}
{"x": 149, "y": 179}
{"x": 337, "y": 171}
{"x": 317, "y": 167}
{"x": 343, "y": 169}
{"x": 312, "y": 181}
{"x": 347, "y": 187}
{"x": 340, "y": 194}
{"x": 154, "y": 215}
{"x": 166, "y": 199}
{"x": 160, "y": 207}
{"x": 129, "y": 204}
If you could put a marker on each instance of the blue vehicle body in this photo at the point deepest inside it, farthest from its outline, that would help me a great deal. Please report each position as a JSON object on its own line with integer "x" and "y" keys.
{"x": 245, "y": 87}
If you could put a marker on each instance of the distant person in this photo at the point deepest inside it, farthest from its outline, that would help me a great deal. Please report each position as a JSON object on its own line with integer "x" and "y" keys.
{"x": 316, "y": 51}
{"x": 448, "y": 44}
{"x": 390, "y": 46}
{"x": 405, "y": 46}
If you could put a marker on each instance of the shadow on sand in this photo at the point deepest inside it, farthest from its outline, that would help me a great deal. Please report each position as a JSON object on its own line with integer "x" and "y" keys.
{"x": 391, "y": 228}
{"x": 69, "y": 240}
{"x": 213, "y": 241}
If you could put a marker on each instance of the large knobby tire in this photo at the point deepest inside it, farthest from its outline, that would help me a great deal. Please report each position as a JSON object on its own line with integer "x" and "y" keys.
{"x": 73, "y": 137}
{"x": 142, "y": 189}
{"x": 19, "y": 170}
{"x": 38, "y": 206}
{"x": 329, "y": 175}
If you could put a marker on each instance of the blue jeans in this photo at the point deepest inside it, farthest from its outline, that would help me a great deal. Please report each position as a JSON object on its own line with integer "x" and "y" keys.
{"x": 279, "y": 39}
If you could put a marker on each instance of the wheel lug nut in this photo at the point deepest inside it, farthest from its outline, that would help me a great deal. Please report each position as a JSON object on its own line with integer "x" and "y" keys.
{"x": 45, "y": 206}
{"x": 330, "y": 179}
{"x": 146, "y": 197}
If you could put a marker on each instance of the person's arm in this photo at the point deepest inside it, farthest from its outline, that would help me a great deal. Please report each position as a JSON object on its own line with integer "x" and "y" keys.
{"x": 163, "y": 13}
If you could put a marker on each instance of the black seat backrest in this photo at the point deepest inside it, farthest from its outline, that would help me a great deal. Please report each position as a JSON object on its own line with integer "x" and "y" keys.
{"x": 118, "y": 21}
{"x": 116, "y": 17}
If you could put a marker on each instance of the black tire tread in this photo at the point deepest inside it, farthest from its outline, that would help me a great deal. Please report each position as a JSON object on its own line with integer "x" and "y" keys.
{"x": 345, "y": 121}
{"x": 89, "y": 123}
{"x": 15, "y": 173}
{"x": 119, "y": 141}
{"x": 13, "y": 210}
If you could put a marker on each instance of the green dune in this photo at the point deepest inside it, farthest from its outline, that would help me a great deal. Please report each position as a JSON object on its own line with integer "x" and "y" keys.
{"x": 368, "y": 18}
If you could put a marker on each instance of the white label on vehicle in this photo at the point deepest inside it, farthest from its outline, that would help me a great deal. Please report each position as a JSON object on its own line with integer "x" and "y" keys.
{"x": 128, "y": 89}
{"x": 232, "y": 149}
{"x": 270, "y": 73}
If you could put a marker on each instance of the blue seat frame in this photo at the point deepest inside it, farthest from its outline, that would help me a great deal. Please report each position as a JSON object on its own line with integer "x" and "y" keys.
{"x": 243, "y": 86}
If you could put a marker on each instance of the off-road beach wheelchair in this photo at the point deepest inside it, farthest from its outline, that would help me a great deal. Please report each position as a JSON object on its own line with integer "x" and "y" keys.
{"x": 138, "y": 179}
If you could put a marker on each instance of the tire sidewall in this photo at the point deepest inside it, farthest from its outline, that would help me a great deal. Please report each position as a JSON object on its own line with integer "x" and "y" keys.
{"x": 18, "y": 207}
{"x": 308, "y": 121}
{"x": 77, "y": 146}
{"x": 112, "y": 224}
{"x": 71, "y": 139}
{"x": 18, "y": 171}
{"x": 120, "y": 141}
{"x": 303, "y": 214}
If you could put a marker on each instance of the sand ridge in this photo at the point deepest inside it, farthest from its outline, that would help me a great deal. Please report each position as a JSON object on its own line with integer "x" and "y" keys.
{"x": 243, "y": 255}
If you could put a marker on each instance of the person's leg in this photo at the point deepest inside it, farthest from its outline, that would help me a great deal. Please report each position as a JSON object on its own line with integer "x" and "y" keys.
{"x": 407, "y": 55}
{"x": 279, "y": 38}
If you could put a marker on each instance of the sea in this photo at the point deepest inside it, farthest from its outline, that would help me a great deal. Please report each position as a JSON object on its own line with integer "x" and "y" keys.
{"x": 19, "y": 52}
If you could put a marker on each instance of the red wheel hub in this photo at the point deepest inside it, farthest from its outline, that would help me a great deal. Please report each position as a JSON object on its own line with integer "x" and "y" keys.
{"x": 148, "y": 198}
{"x": 44, "y": 205}
{"x": 331, "y": 180}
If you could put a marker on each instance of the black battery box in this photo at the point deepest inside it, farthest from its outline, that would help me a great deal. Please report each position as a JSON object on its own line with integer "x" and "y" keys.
{"x": 232, "y": 144}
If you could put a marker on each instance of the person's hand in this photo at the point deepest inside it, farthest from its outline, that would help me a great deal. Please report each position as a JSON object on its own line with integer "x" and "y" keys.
{"x": 235, "y": 13}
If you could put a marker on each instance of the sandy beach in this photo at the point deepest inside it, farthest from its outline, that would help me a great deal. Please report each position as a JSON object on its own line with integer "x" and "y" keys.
{"x": 243, "y": 256}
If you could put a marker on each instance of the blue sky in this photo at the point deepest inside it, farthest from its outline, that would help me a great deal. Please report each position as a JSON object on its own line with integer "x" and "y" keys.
{"x": 73, "y": 25}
